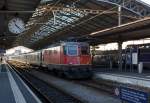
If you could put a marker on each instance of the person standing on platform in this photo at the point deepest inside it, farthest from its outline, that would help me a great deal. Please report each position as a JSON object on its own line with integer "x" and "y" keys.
{"x": 1, "y": 60}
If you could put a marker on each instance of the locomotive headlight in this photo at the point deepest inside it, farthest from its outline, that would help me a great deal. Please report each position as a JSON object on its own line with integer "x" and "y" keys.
{"x": 71, "y": 63}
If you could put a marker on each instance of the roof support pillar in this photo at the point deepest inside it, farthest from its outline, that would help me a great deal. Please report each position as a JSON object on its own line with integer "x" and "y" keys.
{"x": 120, "y": 42}
{"x": 54, "y": 14}
{"x": 119, "y": 15}
{"x": 120, "y": 55}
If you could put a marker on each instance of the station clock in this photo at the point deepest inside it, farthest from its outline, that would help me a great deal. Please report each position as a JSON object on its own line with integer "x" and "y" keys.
{"x": 16, "y": 25}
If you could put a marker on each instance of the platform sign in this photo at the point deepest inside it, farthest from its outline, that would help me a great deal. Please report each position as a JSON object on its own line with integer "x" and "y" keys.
{"x": 135, "y": 58}
{"x": 133, "y": 96}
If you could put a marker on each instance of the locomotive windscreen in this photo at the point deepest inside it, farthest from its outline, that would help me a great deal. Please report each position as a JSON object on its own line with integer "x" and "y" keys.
{"x": 72, "y": 50}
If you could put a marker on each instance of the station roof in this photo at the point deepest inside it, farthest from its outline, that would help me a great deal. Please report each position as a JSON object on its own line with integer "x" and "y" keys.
{"x": 129, "y": 31}
{"x": 57, "y": 20}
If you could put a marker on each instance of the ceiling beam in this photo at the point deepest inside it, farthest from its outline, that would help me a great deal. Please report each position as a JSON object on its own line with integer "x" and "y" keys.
{"x": 16, "y": 11}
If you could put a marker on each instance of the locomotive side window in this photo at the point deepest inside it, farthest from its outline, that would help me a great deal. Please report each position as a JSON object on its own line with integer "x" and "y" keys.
{"x": 72, "y": 50}
{"x": 64, "y": 50}
{"x": 85, "y": 50}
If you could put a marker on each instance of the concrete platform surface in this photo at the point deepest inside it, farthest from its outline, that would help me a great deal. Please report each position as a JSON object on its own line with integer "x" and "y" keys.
{"x": 142, "y": 80}
{"x": 13, "y": 89}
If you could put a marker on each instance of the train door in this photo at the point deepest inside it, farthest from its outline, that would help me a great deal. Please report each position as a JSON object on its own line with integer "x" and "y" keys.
{"x": 39, "y": 58}
{"x": 43, "y": 58}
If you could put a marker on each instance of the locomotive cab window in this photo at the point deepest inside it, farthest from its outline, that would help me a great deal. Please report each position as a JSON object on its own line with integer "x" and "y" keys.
{"x": 85, "y": 50}
{"x": 72, "y": 50}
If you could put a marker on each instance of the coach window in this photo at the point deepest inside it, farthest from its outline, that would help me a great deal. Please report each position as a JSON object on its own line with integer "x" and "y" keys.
{"x": 55, "y": 51}
{"x": 45, "y": 52}
{"x": 50, "y": 52}
{"x": 64, "y": 50}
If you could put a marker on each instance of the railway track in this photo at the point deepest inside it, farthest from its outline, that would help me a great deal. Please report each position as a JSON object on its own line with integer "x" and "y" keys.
{"x": 46, "y": 92}
{"x": 101, "y": 87}
{"x": 104, "y": 88}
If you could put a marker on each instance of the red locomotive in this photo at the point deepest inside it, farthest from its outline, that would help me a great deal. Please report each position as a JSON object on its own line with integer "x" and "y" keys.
{"x": 68, "y": 59}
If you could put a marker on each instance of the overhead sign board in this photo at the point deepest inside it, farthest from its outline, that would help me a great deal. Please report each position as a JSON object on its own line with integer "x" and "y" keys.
{"x": 133, "y": 96}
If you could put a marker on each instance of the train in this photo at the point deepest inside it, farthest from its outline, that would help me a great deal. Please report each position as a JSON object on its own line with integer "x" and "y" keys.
{"x": 132, "y": 55}
{"x": 139, "y": 53}
{"x": 102, "y": 59}
{"x": 68, "y": 59}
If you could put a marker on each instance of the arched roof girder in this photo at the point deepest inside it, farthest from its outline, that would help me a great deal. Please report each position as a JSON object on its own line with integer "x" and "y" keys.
{"x": 136, "y": 6}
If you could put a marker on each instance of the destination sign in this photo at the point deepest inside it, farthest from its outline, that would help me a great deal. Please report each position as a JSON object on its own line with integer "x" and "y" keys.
{"x": 133, "y": 96}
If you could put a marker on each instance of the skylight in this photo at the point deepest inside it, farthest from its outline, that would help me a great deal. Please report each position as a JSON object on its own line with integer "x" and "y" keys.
{"x": 44, "y": 1}
{"x": 146, "y": 1}
{"x": 61, "y": 20}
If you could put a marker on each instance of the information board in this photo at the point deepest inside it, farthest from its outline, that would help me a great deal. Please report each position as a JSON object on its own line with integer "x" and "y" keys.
{"x": 144, "y": 55}
{"x": 133, "y": 96}
{"x": 134, "y": 58}
{"x": 144, "y": 58}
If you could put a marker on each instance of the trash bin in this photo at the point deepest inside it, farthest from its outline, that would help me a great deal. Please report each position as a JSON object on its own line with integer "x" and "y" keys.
{"x": 140, "y": 67}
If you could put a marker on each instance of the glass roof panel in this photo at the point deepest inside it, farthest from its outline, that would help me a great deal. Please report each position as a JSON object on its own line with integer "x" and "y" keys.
{"x": 61, "y": 20}
{"x": 44, "y": 1}
{"x": 146, "y": 1}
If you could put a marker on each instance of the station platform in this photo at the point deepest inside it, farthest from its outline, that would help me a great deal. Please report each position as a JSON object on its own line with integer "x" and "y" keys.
{"x": 13, "y": 89}
{"x": 142, "y": 80}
